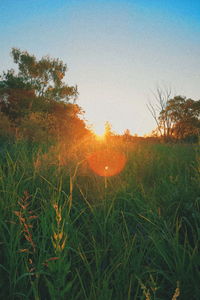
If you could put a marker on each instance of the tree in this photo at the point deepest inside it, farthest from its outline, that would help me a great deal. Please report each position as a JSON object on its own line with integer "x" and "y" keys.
{"x": 108, "y": 129}
{"x": 176, "y": 117}
{"x": 34, "y": 86}
{"x": 44, "y": 76}
{"x": 184, "y": 116}
{"x": 36, "y": 98}
{"x": 157, "y": 110}
{"x": 127, "y": 135}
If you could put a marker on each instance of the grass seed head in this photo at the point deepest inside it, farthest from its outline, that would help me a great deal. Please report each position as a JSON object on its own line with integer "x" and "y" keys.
{"x": 177, "y": 291}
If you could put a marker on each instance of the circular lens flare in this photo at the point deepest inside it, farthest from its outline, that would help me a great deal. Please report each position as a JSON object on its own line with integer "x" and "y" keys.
{"x": 106, "y": 162}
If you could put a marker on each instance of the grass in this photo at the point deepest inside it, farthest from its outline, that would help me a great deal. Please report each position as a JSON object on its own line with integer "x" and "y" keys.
{"x": 65, "y": 234}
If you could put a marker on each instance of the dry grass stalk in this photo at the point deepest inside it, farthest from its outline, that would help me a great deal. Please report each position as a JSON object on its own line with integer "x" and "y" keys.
{"x": 145, "y": 291}
{"x": 177, "y": 291}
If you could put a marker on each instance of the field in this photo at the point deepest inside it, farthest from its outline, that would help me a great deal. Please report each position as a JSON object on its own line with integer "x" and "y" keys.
{"x": 68, "y": 233}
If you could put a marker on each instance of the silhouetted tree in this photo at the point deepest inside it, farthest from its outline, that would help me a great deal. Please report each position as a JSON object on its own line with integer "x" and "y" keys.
{"x": 184, "y": 116}
{"x": 127, "y": 135}
{"x": 157, "y": 110}
{"x": 176, "y": 117}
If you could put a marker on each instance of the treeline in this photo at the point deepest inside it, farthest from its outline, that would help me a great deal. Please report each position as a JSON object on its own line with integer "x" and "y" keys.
{"x": 36, "y": 104}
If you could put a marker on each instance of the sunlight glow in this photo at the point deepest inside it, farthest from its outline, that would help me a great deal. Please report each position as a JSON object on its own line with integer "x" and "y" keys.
{"x": 99, "y": 137}
{"x": 99, "y": 132}
{"x": 99, "y": 129}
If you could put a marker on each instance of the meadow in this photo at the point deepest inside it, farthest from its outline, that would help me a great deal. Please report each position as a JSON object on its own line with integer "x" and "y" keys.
{"x": 68, "y": 233}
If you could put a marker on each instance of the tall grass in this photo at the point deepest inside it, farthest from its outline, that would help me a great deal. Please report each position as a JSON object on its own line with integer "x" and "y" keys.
{"x": 64, "y": 234}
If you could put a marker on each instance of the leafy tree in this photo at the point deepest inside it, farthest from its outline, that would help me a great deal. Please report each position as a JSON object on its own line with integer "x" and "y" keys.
{"x": 176, "y": 117}
{"x": 37, "y": 83}
{"x": 37, "y": 101}
{"x": 15, "y": 102}
{"x": 45, "y": 76}
{"x": 184, "y": 116}
{"x": 6, "y": 129}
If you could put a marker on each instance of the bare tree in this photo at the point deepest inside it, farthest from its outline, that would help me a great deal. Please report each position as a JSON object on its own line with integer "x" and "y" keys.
{"x": 158, "y": 110}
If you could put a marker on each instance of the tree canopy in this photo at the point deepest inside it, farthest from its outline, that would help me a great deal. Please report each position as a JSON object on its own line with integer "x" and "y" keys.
{"x": 183, "y": 117}
{"x": 36, "y": 101}
{"x": 176, "y": 117}
{"x": 43, "y": 76}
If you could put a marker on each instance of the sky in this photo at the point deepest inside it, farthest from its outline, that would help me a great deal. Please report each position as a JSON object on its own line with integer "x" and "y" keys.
{"x": 117, "y": 52}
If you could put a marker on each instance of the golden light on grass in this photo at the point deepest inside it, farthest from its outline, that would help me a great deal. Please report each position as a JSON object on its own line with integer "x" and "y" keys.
{"x": 106, "y": 162}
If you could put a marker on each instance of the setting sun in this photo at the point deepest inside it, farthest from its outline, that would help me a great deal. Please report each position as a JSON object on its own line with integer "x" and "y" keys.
{"x": 99, "y": 137}
{"x": 99, "y": 131}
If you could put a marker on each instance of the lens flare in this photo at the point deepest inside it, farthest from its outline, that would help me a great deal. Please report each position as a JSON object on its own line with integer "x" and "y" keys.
{"x": 107, "y": 162}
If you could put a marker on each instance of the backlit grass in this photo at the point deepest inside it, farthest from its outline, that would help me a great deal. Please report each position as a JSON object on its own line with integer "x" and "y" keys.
{"x": 67, "y": 233}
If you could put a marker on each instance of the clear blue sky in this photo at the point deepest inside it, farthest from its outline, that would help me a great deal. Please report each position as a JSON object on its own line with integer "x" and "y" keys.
{"x": 117, "y": 52}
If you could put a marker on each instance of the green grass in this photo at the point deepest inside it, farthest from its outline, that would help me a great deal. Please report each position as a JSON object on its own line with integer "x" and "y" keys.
{"x": 64, "y": 235}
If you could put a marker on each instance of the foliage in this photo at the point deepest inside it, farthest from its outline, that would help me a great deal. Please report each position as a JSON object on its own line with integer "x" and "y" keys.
{"x": 5, "y": 126}
{"x": 176, "y": 117}
{"x": 36, "y": 100}
{"x": 44, "y": 76}
{"x": 183, "y": 117}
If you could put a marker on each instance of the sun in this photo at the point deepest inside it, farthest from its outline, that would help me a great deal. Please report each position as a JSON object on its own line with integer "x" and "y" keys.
{"x": 99, "y": 131}
{"x": 99, "y": 137}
